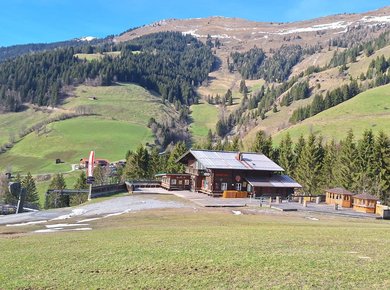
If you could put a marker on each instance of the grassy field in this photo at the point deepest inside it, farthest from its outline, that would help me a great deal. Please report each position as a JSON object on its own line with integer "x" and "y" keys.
{"x": 205, "y": 116}
{"x": 96, "y": 56}
{"x": 125, "y": 102}
{"x": 368, "y": 110}
{"x": 201, "y": 249}
{"x": 356, "y": 68}
{"x": 12, "y": 123}
{"x": 71, "y": 140}
{"x": 122, "y": 112}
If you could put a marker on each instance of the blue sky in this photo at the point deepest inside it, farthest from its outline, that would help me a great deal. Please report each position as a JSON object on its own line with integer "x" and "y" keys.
{"x": 32, "y": 21}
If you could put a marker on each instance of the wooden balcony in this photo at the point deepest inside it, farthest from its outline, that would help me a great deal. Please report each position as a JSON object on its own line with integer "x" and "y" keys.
{"x": 194, "y": 171}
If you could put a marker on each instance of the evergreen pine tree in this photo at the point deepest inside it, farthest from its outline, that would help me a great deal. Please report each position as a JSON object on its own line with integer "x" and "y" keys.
{"x": 137, "y": 164}
{"x": 55, "y": 200}
{"x": 286, "y": 154}
{"x": 262, "y": 144}
{"x": 382, "y": 159}
{"x": 209, "y": 136}
{"x": 81, "y": 183}
{"x": 347, "y": 167}
{"x": 177, "y": 151}
{"x": 329, "y": 166}
{"x": 235, "y": 145}
{"x": 366, "y": 166}
{"x": 298, "y": 149}
{"x": 155, "y": 162}
{"x": 317, "y": 105}
{"x": 28, "y": 183}
{"x": 310, "y": 165}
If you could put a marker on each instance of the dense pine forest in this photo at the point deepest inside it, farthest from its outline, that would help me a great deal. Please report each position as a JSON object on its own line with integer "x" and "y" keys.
{"x": 169, "y": 63}
{"x": 14, "y": 51}
{"x": 254, "y": 64}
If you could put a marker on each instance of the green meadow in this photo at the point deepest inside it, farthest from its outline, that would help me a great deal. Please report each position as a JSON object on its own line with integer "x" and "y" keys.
{"x": 73, "y": 139}
{"x": 368, "y": 110}
{"x": 201, "y": 249}
{"x": 121, "y": 113}
{"x": 204, "y": 116}
{"x": 12, "y": 123}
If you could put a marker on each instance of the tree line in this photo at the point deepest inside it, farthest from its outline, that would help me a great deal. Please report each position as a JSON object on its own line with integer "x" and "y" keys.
{"x": 368, "y": 48}
{"x": 168, "y": 62}
{"x": 361, "y": 165}
{"x": 254, "y": 64}
{"x": 377, "y": 75}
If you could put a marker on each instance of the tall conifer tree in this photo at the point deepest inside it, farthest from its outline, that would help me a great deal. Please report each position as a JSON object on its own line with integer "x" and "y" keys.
{"x": 177, "y": 151}
{"x": 382, "y": 158}
{"x": 329, "y": 167}
{"x": 310, "y": 165}
{"x": 366, "y": 162}
{"x": 28, "y": 183}
{"x": 347, "y": 167}
{"x": 286, "y": 154}
{"x": 262, "y": 144}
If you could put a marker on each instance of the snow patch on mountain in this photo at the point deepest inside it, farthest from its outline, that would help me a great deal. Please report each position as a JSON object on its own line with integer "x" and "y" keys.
{"x": 381, "y": 19}
{"x": 220, "y": 36}
{"x": 326, "y": 26}
{"x": 87, "y": 38}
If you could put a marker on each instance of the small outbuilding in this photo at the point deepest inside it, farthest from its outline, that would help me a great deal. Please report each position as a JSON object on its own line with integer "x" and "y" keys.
{"x": 98, "y": 162}
{"x": 365, "y": 203}
{"x": 175, "y": 181}
{"x": 339, "y": 196}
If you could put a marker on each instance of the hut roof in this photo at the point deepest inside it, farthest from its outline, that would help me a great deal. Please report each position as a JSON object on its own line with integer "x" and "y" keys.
{"x": 339, "y": 190}
{"x": 366, "y": 196}
{"x": 232, "y": 160}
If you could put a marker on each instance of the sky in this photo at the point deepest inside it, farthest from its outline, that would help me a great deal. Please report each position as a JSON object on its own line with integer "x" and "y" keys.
{"x": 35, "y": 21}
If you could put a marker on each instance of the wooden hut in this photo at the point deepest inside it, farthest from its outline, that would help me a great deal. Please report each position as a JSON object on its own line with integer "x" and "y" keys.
{"x": 216, "y": 172}
{"x": 175, "y": 181}
{"x": 365, "y": 203}
{"x": 339, "y": 196}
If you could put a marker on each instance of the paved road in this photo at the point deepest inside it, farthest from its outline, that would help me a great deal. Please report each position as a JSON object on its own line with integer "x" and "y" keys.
{"x": 112, "y": 206}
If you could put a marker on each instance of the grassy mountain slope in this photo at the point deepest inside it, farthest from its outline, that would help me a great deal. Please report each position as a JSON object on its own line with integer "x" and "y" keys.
{"x": 368, "y": 110}
{"x": 204, "y": 117}
{"x": 71, "y": 140}
{"x": 12, "y": 123}
{"x": 120, "y": 124}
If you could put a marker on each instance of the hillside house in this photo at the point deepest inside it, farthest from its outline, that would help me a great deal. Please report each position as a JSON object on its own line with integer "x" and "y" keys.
{"x": 339, "y": 196}
{"x": 213, "y": 172}
{"x": 98, "y": 162}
